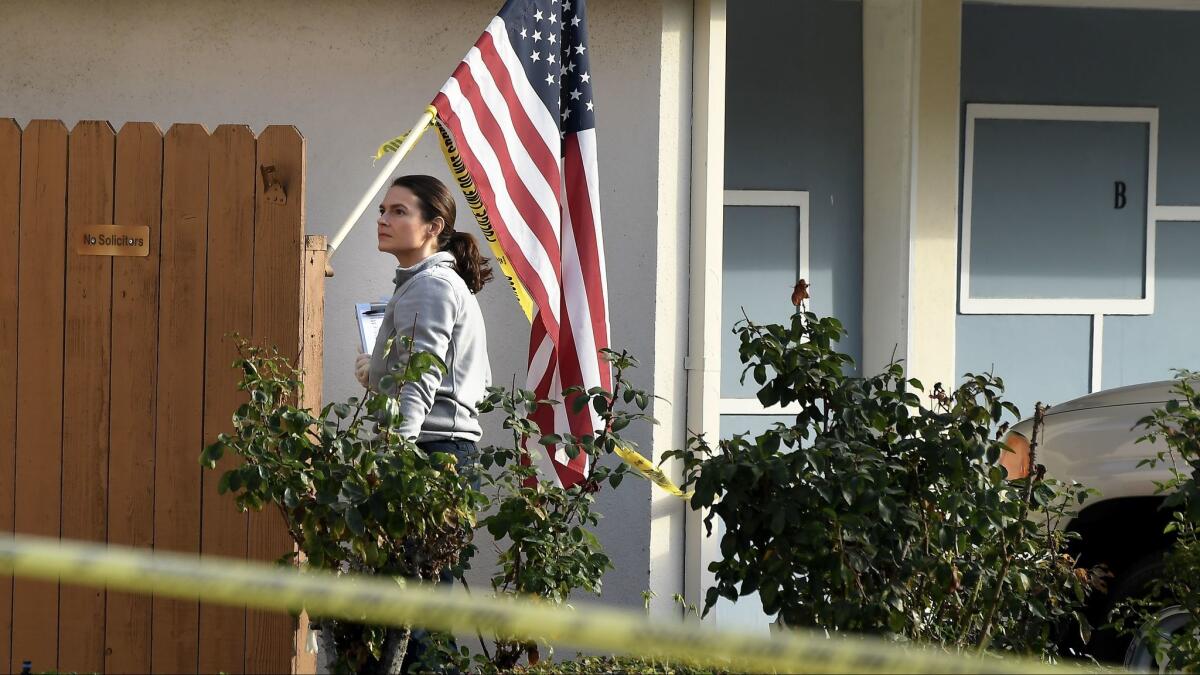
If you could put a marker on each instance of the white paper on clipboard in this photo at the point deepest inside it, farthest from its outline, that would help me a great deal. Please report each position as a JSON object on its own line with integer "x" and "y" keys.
{"x": 370, "y": 320}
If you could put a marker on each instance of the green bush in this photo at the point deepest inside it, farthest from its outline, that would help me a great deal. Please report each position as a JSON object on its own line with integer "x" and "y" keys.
{"x": 357, "y": 497}
{"x": 872, "y": 513}
{"x": 1177, "y": 425}
{"x": 542, "y": 531}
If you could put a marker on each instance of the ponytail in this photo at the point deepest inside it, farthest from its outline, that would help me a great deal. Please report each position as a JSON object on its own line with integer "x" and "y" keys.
{"x": 468, "y": 262}
{"x": 437, "y": 202}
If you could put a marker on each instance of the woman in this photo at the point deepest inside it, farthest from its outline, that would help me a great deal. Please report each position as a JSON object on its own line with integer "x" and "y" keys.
{"x": 440, "y": 270}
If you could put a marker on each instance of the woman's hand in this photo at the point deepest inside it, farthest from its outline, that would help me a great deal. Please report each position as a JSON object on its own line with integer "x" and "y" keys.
{"x": 362, "y": 369}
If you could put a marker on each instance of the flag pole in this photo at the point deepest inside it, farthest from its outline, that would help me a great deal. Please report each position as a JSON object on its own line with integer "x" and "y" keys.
{"x": 413, "y": 136}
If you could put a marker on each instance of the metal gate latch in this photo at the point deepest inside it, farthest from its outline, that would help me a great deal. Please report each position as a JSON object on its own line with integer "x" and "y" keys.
{"x": 272, "y": 189}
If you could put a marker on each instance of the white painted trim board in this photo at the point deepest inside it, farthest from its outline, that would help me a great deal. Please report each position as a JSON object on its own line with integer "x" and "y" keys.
{"x": 1068, "y": 306}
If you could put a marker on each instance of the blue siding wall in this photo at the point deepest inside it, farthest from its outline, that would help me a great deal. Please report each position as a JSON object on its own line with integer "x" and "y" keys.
{"x": 1040, "y": 358}
{"x": 1144, "y": 348}
{"x": 1056, "y": 56}
{"x": 793, "y": 111}
{"x": 1095, "y": 57}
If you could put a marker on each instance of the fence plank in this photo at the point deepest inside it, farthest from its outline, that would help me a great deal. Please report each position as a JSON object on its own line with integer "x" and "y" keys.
{"x": 312, "y": 345}
{"x": 174, "y": 646}
{"x": 278, "y": 243}
{"x": 134, "y": 378}
{"x": 10, "y": 223}
{"x": 85, "y": 388}
{"x": 40, "y": 379}
{"x": 232, "y": 178}
{"x": 312, "y": 352}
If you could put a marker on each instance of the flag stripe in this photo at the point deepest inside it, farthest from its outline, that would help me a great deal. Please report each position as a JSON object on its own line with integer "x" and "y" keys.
{"x": 541, "y": 152}
{"x": 540, "y": 287}
{"x": 539, "y": 166}
{"x": 580, "y": 361}
{"x": 587, "y": 152}
{"x": 580, "y": 355}
{"x": 541, "y": 358}
{"x": 588, "y": 249}
{"x": 542, "y": 119}
{"x": 485, "y": 168}
{"x": 520, "y": 108}
{"x": 569, "y": 356}
{"x": 516, "y": 170}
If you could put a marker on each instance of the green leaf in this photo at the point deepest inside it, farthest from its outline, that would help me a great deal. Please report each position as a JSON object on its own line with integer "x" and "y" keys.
{"x": 886, "y": 510}
{"x": 767, "y": 396}
{"x": 354, "y": 521}
{"x": 600, "y": 404}
{"x": 423, "y": 362}
{"x": 1023, "y": 582}
{"x": 212, "y": 454}
{"x": 352, "y": 492}
{"x": 578, "y": 404}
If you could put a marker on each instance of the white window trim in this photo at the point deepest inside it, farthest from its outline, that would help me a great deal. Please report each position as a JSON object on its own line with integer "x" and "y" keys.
{"x": 1177, "y": 213}
{"x": 798, "y": 199}
{"x": 1161, "y": 213}
{"x": 1072, "y": 306}
{"x": 751, "y": 406}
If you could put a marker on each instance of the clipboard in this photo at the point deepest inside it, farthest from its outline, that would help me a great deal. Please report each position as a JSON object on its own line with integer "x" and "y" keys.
{"x": 370, "y": 320}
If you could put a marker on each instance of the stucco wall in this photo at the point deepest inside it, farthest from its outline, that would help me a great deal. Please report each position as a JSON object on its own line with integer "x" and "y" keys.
{"x": 350, "y": 75}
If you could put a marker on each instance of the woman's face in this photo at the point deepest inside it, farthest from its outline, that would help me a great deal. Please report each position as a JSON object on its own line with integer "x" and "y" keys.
{"x": 403, "y": 231}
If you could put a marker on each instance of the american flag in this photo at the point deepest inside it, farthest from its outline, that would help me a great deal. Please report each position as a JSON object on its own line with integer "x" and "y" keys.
{"x": 521, "y": 111}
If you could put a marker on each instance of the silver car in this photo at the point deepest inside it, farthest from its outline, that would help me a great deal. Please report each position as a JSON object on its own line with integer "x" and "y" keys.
{"x": 1093, "y": 440}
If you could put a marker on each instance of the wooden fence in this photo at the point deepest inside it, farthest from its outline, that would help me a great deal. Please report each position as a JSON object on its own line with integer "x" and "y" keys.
{"x": 115, "y": 371}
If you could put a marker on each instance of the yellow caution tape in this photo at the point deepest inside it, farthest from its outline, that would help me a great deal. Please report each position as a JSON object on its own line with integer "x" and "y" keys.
{"x": 390, "y": 146}
{"x": 652, "y": 473}
{"x": 387, "y": 602}
{"x": 475, "y": 202}
{"x": 394, "y": 144}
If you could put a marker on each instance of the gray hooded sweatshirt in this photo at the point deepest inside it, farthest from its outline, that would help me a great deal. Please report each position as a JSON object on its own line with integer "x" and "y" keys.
{"x": 433, "y": 304}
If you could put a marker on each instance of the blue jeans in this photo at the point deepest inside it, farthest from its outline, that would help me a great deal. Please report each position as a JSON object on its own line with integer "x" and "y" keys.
{"x": 465, "y": 452}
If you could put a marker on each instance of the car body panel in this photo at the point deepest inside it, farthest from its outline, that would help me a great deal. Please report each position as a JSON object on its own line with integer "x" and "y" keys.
{"x": 1093, "y": 440}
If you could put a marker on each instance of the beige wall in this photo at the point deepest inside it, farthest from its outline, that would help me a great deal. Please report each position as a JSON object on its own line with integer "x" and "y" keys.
{"x": 352, "y": 74}
{"x": 910, "y": 196}
{"x": 933, "y": 261}
{"x": 667, "y": 512}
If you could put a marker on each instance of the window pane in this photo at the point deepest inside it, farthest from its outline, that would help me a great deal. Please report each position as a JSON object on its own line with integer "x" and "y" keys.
{"x": 752, "y": 425}
{"x": 759, "y": 269}
{"x": 747, "y": 613}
